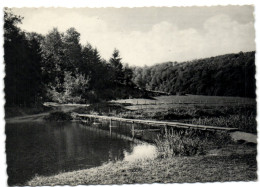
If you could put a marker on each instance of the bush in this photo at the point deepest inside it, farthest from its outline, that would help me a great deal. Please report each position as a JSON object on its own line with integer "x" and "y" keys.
{"x": 59, "y": 116}
{"x": 179, "y": 143}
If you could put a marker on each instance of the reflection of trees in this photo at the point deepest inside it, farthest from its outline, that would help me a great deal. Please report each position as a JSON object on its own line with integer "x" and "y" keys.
{"x": 47, "y": 149}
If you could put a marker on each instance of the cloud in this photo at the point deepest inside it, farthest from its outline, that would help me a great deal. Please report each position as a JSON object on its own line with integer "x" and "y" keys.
{"x": 226, "y": 35}
{"x": 164, "y": 41}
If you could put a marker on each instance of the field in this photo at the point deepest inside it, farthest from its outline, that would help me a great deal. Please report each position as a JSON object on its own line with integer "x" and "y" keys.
{"x": 162, "y": 103}
{"x": 234, "y": 112}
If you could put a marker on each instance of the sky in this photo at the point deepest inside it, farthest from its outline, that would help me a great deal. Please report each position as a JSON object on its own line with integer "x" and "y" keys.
{"x": 147, "y": 36}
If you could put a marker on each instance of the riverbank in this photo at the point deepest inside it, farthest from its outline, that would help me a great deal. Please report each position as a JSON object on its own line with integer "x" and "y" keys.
{"x": 210, "y": 168}
{"x": 220, "y": 162}
{"x": 19, "y": 111}
{"x": 47, "y": 111}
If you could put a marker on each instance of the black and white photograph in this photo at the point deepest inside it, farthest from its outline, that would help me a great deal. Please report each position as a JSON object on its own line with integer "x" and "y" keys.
{"x": 141, "y": 95}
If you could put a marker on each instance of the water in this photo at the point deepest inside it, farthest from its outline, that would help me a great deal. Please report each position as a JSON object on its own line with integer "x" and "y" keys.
{"x": 47, "y": 148}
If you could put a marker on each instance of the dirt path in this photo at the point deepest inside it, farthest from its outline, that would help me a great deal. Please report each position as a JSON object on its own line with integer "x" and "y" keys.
{"x": 244, "y": 137}
{"x": 26, "y": 118}
{"x": 40, "y": 117}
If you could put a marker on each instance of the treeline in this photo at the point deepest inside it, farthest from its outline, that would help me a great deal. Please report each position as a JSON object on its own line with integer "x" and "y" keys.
{"x": 225, "y": 75}
{"x": 56, "y": 67}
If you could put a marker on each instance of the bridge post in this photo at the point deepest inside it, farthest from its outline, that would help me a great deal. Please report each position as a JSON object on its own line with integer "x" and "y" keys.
{"x": 110, "y": 127}
{"x": 133, "y": 130}
{"x": 166, "y": 130}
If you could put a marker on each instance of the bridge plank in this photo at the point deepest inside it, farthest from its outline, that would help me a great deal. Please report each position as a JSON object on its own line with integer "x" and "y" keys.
{"x": 158, "y": 123}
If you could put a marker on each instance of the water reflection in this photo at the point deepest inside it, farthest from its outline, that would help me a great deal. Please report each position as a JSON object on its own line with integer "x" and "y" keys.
{"x": 140, "y": 152}
{"x": 46, "y": 148}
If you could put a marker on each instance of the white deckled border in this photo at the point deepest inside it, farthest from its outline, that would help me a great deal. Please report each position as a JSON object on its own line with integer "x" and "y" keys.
{"x": 118, "y": 4}
{"x": 122, "y": 3}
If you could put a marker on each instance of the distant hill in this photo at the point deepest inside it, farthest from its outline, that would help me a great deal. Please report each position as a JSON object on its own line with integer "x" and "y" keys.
{"x": 225, "y": 75}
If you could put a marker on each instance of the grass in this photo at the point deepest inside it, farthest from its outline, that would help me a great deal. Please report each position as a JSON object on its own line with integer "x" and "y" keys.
{"x": 183, "y": 156}
{"x": 186, "y": 142}
{"x": 230, "y": 112}
{"x": 242, "y": 122}
{"x": 168, "y": 170}
{"x": 242, "y": 117}
{"x": 190, "y": 99}
{"x": 201, "y": 110}
{"x": 179, "y": 144}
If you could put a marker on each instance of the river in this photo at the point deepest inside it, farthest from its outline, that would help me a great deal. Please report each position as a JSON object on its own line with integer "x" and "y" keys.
{"x": 47, "y": 148}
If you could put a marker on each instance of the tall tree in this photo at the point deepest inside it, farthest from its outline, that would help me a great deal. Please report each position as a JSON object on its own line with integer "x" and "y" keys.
{"x": 71, "y": 50}
{"x": 53, "y": 61}
{"x": 22, "y": 63}
{"x": 117, "y": 66}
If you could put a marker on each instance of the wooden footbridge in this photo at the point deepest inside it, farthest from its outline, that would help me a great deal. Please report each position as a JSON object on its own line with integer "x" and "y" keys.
{"x": 164, "y": 124}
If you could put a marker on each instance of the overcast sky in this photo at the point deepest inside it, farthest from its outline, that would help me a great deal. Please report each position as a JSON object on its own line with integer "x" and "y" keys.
{"x": 145, "y": 36}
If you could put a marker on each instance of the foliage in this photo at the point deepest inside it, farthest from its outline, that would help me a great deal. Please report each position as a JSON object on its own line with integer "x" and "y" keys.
{"x": 179, "y": 143}
{"x": 74, "y": 89}
{"x": 23, "y": 81}
{"x": 226, "y": 75}
{"x": 57, "y": 67}
{"x": 58, "y": 116}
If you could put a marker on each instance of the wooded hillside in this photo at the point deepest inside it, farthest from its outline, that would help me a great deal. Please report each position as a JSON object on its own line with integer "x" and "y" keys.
{"x": 225, "y": 75}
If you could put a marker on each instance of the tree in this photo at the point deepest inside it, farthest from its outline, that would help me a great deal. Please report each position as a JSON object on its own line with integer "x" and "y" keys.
{"x": 71, "y": 50}
{"x": 75, "y": 89}
{"x": 22, "y": 64}
{"x": 117, "y": 66}
{"x": 128, "y": 75}
{"x": 52, "y": 60}
{"x": 225, "y": 75}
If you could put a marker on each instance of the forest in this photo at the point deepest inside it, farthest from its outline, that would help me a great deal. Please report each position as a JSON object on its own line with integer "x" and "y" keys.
{"x": 225, "y": 75}
{"x": 57, "y": 67}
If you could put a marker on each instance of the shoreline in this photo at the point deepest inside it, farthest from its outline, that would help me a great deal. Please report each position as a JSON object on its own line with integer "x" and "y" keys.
{"x": 227, "y": 163}
{"x": 212, "y": 168}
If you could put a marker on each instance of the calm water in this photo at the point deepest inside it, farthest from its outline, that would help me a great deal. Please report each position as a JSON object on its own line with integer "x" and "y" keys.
{"x": 48, "y": 148}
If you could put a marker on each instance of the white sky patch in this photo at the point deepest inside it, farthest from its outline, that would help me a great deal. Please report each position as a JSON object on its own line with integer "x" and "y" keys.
{"x": 147, "y": 42}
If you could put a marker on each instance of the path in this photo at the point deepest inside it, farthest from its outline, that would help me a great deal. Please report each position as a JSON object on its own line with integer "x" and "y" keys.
{"x": 40, "y": 117}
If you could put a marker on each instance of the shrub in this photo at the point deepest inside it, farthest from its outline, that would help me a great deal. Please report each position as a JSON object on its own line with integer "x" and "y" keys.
{"x": 58, "y": 116}
{"x": 179, "y": 143}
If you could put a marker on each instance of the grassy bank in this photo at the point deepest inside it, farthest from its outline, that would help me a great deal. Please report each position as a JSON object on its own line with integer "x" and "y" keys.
{"x": 170, "y": 170}
{"x": 182, "y": 156}
{"x": 241, "y": 116}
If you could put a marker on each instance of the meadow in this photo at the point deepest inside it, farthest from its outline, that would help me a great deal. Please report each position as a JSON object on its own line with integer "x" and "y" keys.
{"x": 234, "y": 112}
{"x": 166, "y": 102}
